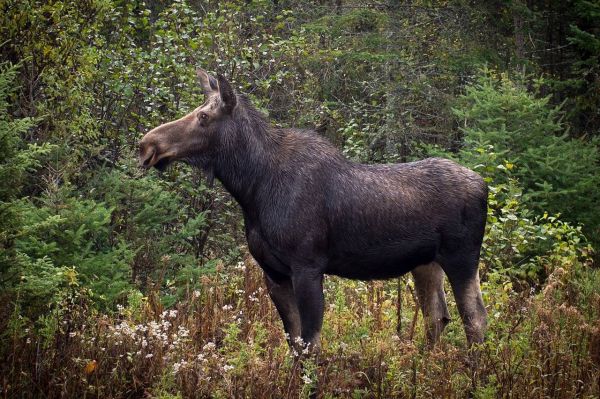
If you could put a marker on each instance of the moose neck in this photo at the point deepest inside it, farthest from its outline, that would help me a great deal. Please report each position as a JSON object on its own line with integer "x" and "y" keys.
{"x": 245, "y": 156}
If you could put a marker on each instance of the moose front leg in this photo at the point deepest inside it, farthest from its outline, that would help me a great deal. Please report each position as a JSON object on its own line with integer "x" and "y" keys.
{"x": 282, "y": 295}
{"x": 308, "y": 288}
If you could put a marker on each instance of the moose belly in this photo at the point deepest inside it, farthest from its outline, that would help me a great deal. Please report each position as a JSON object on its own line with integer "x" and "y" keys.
{"x": 381, "y": 261}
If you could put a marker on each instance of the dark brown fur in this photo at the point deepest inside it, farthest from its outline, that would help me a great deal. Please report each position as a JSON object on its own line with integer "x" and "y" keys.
{"x": 309, "y": 211}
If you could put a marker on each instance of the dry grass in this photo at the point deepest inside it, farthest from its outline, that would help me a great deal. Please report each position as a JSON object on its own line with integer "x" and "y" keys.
{"x": 225, "y": 340}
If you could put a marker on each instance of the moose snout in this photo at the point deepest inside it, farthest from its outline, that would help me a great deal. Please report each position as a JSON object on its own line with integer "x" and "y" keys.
{"x": 147, "y": 153}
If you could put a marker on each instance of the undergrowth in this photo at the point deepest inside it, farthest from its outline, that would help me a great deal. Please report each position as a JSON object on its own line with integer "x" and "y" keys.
{"x": 225, "y": 340}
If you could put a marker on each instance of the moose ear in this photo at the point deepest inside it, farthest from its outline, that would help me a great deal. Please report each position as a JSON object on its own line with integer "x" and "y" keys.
{"x": 227, "y": 95}
{"x": 207, "y": 82}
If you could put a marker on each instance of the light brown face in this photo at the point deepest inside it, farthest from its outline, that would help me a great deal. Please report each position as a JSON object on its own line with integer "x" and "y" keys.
{"x": 190, "y": 137}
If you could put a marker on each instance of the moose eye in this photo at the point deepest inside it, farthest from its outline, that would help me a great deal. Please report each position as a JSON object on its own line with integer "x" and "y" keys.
{"x": 203, "y": 116}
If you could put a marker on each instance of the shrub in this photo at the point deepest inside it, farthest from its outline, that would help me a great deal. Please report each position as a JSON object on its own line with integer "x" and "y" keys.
{"x": 558, "y": 175}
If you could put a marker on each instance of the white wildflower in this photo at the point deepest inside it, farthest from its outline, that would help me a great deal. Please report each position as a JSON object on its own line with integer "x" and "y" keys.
{"x": 183, "y": 332}
{"x": 179, "y": 365}
{"x": 209, "y": 346}
{"x": 240, "y": 266}
{"x": 141, "y": 328}
{"x": 176, "y": 368}
{"x": 305, "y": 350}
{"x": 153, "y": 326}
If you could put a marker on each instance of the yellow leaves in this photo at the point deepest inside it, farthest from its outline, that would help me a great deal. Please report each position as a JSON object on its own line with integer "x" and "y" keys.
{"x": 71, "y": 276}
{"x": 48, "y": 50}
{"x": 90, "y": 367}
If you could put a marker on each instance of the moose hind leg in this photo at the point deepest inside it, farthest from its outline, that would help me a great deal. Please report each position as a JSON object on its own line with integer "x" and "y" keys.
{"x": 282, "y": 295}
{"x": 429, "y": 284}
{"x": 464, "y": 279}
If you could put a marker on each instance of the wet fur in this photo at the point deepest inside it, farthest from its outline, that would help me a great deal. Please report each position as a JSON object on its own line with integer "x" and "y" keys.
{"x": 303, "y": 201}
{"x": 309, "y": 211}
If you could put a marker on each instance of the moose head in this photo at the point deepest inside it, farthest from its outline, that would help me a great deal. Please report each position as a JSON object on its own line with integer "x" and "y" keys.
{"x": 191, "y": 138}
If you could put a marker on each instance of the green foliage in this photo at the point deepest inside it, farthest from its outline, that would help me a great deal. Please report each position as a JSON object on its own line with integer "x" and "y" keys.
{"x": 558, "y": 174}
{"x": 374, "y": 70}
{"x": 17, "y": 160}
{"x": 586, "y": 69}
{"x": 109, "y": 230}
{"x": 71, "y": 236}
{"x": 17, "y": 157}
{"x": 523, "y": 246}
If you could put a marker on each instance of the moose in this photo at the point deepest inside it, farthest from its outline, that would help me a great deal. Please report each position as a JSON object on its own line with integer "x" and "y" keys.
{"x": 309, "y": 211}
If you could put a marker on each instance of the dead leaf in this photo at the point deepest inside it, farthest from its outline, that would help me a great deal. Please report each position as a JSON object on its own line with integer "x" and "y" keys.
{"x": 90, "y": 367}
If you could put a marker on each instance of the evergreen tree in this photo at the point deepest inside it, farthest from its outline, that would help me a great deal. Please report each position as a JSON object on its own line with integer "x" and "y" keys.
{"x": 17, "y": 160}
{"x": 559, "y": 175}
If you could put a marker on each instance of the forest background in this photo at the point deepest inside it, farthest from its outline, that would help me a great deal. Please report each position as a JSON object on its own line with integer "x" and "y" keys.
{"x": 118, "y": 283}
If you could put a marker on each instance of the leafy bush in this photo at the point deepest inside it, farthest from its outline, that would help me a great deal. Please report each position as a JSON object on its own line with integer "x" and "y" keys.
{"x": 524, "y": 246}
{"x": 558, "y": 175}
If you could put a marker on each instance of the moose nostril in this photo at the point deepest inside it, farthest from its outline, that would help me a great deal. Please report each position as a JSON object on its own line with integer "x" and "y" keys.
{"x": 146, "y": 154}
{"x": 148, "y": 158}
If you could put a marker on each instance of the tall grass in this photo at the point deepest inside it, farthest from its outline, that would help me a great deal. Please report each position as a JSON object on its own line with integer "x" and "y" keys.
{"x": 225, "y": 340}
